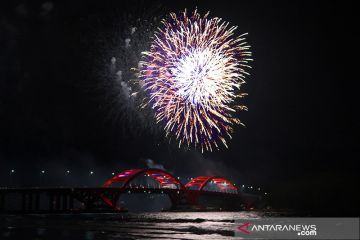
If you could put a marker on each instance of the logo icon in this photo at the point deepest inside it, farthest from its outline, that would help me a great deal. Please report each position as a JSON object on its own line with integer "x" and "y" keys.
{"x": 244, "y": 228}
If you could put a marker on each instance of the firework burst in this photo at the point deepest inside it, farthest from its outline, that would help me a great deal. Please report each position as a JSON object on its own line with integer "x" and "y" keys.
{"x": 192, "y": 74}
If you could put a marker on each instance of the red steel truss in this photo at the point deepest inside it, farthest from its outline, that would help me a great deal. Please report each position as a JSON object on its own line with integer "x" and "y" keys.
{"x": 165, "y": 179}
{"x": 170, "y": 185}
{"x": 201, "y": 182}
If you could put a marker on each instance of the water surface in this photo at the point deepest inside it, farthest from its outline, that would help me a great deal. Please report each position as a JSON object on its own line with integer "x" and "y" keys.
{"x": 160, "y": 225}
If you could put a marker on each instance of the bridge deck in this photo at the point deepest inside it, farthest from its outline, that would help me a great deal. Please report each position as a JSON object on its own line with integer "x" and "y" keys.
{"x": 99, "y": 199}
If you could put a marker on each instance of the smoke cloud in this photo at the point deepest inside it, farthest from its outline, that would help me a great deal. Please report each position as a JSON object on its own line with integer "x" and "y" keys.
{"x": 151, "y": 164}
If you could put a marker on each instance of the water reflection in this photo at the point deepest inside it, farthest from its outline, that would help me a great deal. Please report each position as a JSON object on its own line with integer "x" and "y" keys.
{"x": 166, "y": 225}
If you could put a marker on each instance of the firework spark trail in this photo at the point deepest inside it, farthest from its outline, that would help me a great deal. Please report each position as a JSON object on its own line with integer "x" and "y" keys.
{"x": 192, "y": 74}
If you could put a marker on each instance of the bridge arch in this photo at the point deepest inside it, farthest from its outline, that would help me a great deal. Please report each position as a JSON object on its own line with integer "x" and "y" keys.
{"x": 165, "y": 179}
{"x": 203, "y": 183}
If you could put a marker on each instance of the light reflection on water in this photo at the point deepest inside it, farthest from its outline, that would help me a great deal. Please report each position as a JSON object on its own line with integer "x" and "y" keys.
{"x": 162, "y": 225}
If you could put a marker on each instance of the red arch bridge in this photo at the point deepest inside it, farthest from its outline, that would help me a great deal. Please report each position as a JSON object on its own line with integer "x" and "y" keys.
{"x": 201, "y": 193}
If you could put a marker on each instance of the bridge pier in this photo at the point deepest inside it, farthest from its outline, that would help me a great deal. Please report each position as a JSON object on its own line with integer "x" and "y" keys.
{"x": 115, "y": 198}
{"x": 37, "y": 201}
{"x": 2, "y": 201}
{"x": 51, "y": 202}
{"x": 30, "y": 201}
{"x": 71, "y": 202}
{"x": 57, "y": 201}
{"x": 64, "y": 201}
{"x": 23, "y": 201}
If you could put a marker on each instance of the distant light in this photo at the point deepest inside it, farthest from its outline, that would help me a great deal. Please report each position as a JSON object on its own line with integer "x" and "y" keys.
{"x": 266, "y": 193}
{"x": 42, "y": 171}
{"x": 251, "y": 187}
{"x": 243, "y": 185}
{"x": 178, "y": 177}
{"x": 259, "y": 189}
{"x": 12, "y": 170}
{"x": 113, "y": 173}
{"x": 91, "y": 172}
{"x": 68, "y": 172}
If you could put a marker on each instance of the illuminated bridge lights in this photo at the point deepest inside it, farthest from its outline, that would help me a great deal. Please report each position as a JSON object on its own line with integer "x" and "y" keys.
{"x": 165, "y": 179}
{"x": 212, "y": 183}
{"x": 166, "y": 183}
{"x": 158, "y": 181}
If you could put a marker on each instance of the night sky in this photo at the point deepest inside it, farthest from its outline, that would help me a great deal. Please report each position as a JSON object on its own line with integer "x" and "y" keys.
{"x": 58, "y": 110}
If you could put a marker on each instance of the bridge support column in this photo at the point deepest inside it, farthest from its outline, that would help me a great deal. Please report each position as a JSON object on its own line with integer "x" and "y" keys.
{"x": 115, "y": 199}
{"x": 64, "y": 201}
{"x": 30, "y": 201}
{"x": 71, "y": 202}
{"x": 51, "y": 202}
{"x": 37, "y": 201}
{"x": 192, "y": 199}
{"x": 23, "y": 202}
{"x": 57, "y": 200}
{"x": 2, "y": 202}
